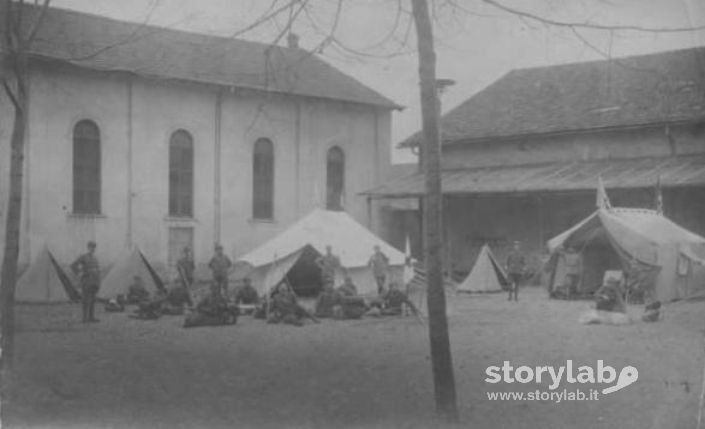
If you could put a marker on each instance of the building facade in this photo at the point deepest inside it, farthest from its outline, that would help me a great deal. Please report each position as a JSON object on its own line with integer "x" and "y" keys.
{"x": 522, "y": 158}
{"x": 214, "y": 141}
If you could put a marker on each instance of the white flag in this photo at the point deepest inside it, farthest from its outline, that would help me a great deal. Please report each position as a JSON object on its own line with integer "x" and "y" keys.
{"x": 408, "y": 264}
{"x": 603, "y": 201}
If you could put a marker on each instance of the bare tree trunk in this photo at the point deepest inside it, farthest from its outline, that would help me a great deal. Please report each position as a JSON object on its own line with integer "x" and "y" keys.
{"x": 441, "y": 359}
{"x": 12, "y": 232}
{"x": 14, "y": 46}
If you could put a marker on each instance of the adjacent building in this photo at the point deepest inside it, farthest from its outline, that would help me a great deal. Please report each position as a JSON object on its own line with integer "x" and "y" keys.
{"x": 521, "y": 158}
{"x": 147, "y": 136}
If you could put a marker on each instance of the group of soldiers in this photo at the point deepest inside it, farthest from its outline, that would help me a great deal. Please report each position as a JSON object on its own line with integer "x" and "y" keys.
{"x": 87, "y": 268}
{"x": 219, "y": 307}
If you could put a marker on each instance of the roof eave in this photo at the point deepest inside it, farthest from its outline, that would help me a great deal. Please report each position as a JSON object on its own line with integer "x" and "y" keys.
{"x": 555, "y": 133}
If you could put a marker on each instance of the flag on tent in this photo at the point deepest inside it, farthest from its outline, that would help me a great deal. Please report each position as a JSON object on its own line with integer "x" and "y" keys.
{"x": 603, "y": 201}
{"x": 659, "y": 196}
{"x": 45, "y": 281}
{"x": 408, "y": 262}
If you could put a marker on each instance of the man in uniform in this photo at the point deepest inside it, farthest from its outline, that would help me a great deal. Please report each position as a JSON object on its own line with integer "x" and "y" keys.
{"x": 328, "y": 263}
{"x": 380, "y": 265}
{"x": 186, "y": 267}
{"x": 86, "y": 267}
{"x": 573, "y": 269}
{"x": 219, "y": 265}
{"x": 137, "y": 293}
{"x": 515, "y": 269}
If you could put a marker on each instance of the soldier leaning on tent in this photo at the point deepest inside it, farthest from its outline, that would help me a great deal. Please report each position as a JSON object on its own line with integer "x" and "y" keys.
{"x": 88, "y": 269}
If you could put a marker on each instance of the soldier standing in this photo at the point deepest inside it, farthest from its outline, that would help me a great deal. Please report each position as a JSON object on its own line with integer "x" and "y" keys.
{"x": 186, "y": 267}
{"x": 86, "y": 267}
{"x": 380, "y": 265}
{"x": 219, "y": 265}
{"x": 515, "y": 268}
{"x": 328, "y": 264}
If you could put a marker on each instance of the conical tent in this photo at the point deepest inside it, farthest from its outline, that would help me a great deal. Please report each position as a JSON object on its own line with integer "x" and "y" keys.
{"x": 45, "y": 281}
{"x": 299, "y": 244}
{"x": 132, "y": 263}
{"x": 487, "y": 275}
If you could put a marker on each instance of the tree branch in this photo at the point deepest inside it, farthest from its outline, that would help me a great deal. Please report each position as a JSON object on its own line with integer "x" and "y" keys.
{"x": 35, "y": 26}
{"x": 589, "y": 25}
{"x": 11, "y": 94}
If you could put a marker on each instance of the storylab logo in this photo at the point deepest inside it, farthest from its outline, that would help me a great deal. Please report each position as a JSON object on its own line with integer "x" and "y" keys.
{"x": 602, "y": 374}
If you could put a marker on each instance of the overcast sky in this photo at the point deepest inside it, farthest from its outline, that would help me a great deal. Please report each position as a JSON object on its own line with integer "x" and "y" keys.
{"x": 475, "y": 42}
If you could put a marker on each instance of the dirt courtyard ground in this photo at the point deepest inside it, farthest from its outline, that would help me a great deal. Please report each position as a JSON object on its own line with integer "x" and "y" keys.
{"x": 125, "y": 373}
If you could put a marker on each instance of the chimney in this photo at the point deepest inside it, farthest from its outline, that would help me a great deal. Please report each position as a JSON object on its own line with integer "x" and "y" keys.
{"x": 293, "y": 41}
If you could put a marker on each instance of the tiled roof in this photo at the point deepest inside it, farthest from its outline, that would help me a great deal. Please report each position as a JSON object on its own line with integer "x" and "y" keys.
{"x": 556, "y": 176}
{"x": 99, "y": 43}
{"x": 624, "y": 92}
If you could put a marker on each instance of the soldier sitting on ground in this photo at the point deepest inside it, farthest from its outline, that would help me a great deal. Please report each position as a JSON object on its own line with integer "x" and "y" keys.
{"x": 151, "y": 309}
{"x": 350, "y": 304}
{"x": 348, "y": 288}
{"x": 609, "y": 297}
{"x": 137, "y": 293}
{"x": 284, "y": 308}
{"x": 247, "y": 295}
{"x": 327, "y": 300}
{"x": 177, "y": 298}
{"x": 212, "y": 310}
{"x": 392, "y": 302}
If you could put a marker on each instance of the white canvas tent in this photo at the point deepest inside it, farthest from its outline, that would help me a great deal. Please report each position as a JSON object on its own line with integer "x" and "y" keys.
{"x": 270, "y": 263}
{"x": 657, "y": 255}
{"x": 130, "y": 264}
{"x": 487, "y": 275}
{"x": 44, "y": 281}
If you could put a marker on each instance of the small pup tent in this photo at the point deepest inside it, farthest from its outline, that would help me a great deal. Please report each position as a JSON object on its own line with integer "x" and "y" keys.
{"x": 291, "y": 255}
{"x": 487, "y": 275}
{"x": 45, "y": 281}
{"x": 659, "y": 257}
{"x": 130, "y": 264}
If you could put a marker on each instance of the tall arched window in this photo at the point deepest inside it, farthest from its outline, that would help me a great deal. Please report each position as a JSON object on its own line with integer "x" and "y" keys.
{"x": 335, "y": 178}
{"x": 181, "y": 174}
{"x": 86, "y": 168}
{"x": 263, "y": 180}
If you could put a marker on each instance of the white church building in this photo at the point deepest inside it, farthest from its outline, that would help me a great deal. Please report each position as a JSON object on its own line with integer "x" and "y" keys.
{"x": 146, "y": 136}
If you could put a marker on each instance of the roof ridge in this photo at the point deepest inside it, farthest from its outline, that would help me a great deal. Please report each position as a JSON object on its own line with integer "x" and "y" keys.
{"x": 607, "y": 60}
{"x": 165, "y": 28}
{"x": 194, "y": 56}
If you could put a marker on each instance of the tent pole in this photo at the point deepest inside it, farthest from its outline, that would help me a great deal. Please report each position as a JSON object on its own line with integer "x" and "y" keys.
{"x": 267, "y": 291}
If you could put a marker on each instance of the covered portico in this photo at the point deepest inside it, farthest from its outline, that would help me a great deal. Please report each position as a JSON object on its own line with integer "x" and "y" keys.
{"x": 534, "y": 202}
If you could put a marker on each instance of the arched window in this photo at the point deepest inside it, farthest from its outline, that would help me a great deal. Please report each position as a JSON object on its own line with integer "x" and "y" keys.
{"x": 335, "y": 178}
{"x": 181, "y": 174}
{"x": 263, "y": 180}
{"x": 86, "y": 168}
